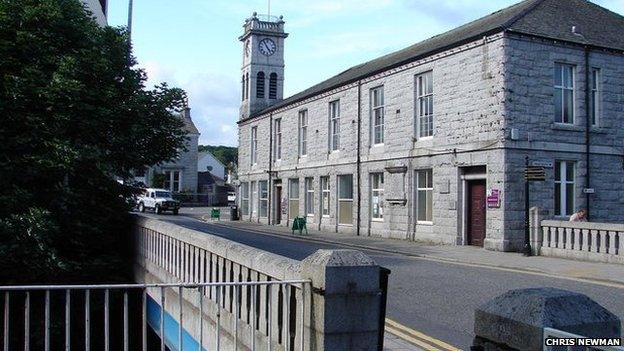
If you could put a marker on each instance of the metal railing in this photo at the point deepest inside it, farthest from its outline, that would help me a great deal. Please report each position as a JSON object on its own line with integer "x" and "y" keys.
{"x": 555, "y": 333}
{"x": 271, "y": 309}
{"x": 18, "y": 304}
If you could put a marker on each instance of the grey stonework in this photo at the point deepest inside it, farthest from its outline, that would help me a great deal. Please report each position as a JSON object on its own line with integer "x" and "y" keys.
{"x": 482, "y": 90}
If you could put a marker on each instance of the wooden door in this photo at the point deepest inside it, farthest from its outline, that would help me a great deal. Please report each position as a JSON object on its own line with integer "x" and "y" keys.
{"x": 476, "y": 212}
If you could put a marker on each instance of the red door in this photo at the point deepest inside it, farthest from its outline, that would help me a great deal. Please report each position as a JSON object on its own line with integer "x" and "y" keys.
{"x": 476, "y": 212}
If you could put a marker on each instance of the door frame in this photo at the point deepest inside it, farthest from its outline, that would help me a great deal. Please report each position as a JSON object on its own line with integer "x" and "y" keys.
{"x": 277, "y": 202}
{"x": 466, "y": 178}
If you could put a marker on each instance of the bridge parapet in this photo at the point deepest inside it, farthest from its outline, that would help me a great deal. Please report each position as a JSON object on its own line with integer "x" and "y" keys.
{"x": 334, "y": 304}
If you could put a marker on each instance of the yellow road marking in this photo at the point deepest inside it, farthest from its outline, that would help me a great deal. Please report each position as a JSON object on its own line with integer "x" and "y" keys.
{"x": 412, "y": 340}
{"x": 392, "y": 325}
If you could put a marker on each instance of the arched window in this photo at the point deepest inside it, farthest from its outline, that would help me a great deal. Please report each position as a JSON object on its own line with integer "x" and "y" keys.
{"x": 273, "y": 86}
{"x": 247, "y": 86}
{"x": 243, "y": 87}
{"x": 260, "y": 85}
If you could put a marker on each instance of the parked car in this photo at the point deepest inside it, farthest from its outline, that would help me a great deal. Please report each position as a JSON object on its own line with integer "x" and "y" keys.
{"x": 158, "y": 200}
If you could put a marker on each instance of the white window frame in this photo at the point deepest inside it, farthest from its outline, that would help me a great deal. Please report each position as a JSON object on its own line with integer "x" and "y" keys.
{"x": 277, "y": 129}
{"x": 254, "y": 146}
{"x": 325, "y": 197}
{"x": 377, "y": 118}
{"x": 428, "y": 188}
{"x": 342, "y": 200}
{"x": 377, "y": 193}
{"x": 309, "y": 196}
{"x": 170, "y": 183}
{"x": 563, "y": 183}
{"x": 334, "y": 126}
{"x": 263, "y": 199}
{"x": 292, "y": 198}
{"x": 253, "y": 195}
{"x": 560, "y": 68}
{"x": 425, "y": 117}
{"x": 245, "y": 198}
{"x": 596, "y": 96}
{"x": 303, "y": 133}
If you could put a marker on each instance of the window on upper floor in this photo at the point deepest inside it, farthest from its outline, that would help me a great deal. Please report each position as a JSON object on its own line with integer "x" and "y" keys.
{"x": 247, "y": 86}
{"x": 254, "y": 146}
{"x": 564, "y": 93}
{"x": 564, "y": 188}
{"x": 424, "y": 105}
{"x": 334, "y": 125}
{"x": 377, "y": 115}
{"x": 273, "y": 86}
{"x": 303, "y": 132}
{"x": 277, "y": 139}
{"x": 596, "y": 96}
{"x": 260, "y": 85}
{"x": 243, "y": 88}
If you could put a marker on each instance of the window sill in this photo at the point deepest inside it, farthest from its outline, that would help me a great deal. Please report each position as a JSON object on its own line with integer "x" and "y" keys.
{"x": 377, "y": 220}
{"x": 423, "y": 138}
{"x": 345, "y": 225}
{"x": 567, "y": 126}
{"x": 599, "y": 130}
{"x": 326, "y": 216}
{"x": 377, "y": 145}
{"x": 424, "y": 223}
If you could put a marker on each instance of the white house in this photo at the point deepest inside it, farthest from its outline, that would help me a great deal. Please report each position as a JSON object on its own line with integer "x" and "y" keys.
{"x": 206, "y": 161}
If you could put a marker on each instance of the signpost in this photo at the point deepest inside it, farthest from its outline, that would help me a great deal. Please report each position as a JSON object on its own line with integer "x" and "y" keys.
{"x": 535, "y": 173}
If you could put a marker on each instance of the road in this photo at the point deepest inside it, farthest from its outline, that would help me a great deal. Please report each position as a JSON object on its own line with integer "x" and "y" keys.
{"x": 435, "y": 298}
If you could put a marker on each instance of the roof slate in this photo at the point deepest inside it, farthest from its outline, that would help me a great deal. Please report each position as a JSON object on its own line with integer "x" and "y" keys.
{"x": 545, "y": 18}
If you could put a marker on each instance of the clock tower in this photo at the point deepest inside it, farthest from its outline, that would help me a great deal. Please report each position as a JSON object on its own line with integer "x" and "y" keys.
{"x": 262, "y": 73}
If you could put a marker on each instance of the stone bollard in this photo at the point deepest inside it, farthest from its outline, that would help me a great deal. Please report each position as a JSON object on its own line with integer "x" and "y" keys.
{"x": 345, "y": 301}
{"x": 516, "y": 319}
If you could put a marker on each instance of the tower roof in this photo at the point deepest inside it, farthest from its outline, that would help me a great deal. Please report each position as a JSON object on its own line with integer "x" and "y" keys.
{"x": 552, "y": 19}
{"x": 189, "y": 126}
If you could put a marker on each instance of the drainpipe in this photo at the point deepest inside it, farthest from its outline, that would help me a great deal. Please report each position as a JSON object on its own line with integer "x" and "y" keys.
{"x": 587, "y": 128}
{"x": 587, "y": 49}
{"x": 359, "y": 160}
{"x": 269, "y": 183}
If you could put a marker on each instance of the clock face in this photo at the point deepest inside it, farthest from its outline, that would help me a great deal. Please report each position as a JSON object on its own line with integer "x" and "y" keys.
{"x": 267, "y": 47}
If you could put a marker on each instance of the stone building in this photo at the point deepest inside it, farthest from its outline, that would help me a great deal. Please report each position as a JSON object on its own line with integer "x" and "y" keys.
{"x": 429, "y": 143}
{"x": 179, "y": 175}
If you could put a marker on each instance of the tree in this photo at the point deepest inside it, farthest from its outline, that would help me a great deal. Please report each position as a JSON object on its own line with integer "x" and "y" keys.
{"x": 75, "y": 113}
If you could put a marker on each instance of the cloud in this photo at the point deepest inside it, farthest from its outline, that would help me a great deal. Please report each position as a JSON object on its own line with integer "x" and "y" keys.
{"x": 213, "y": 98}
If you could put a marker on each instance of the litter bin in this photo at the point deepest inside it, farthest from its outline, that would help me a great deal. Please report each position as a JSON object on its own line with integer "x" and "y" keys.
{"x": 234, "y": 213}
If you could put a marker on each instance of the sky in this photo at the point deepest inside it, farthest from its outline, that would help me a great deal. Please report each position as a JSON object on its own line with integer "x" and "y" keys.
{"x": 193, "y": 44}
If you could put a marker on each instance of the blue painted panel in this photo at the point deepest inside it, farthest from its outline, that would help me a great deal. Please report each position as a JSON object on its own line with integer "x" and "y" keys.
{"x": 171, "y": 328}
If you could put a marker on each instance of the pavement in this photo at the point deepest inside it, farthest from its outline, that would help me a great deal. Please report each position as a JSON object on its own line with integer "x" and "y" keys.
{"x": 433, "y": 290}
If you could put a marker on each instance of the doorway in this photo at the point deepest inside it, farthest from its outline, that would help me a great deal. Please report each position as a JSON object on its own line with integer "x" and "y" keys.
{"x": 277, "y": 200}
{"x": 476, "y": 212}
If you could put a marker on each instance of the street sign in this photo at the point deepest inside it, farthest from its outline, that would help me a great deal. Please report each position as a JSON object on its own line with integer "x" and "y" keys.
{"x": 535, "y": 174}
{"x": 545, "y": 164}
{"x": 589, "y": 191}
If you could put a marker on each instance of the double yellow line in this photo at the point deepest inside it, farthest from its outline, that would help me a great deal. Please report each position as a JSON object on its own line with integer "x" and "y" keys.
{"x": 417, "y": 338}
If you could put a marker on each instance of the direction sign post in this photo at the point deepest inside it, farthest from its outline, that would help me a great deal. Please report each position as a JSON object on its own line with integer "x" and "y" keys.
{"x": 534, "y": 173}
